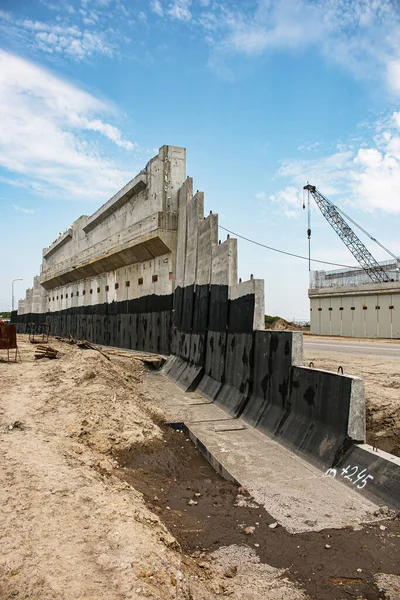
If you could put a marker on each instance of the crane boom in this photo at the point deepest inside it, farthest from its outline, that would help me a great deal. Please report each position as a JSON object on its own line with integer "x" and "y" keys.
{"x": 362, "y": 255}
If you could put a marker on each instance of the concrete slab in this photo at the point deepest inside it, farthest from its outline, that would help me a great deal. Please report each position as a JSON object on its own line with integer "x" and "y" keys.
{"x": 297, "y": 494}
{"x": 180, "y": 406}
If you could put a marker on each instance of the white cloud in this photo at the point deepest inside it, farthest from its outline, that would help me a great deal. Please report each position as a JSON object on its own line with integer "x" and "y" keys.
{"x": 157, "y": 8}
{"x": 393, "y": 75}
{"x": 179, "y": 9}
{"x": 361, "y": 35}
{"x": 289, "y": 200}
{"x": 367, "y": 176}
{"x": 5, "y": 15}
{"x": 321, "y": 171}
{"x": 24, "y": 210}
{"x": 109, "y": 131}
{"x": 45, "y": 124}
{"x": 67, "y": 40}
{"x": 78, "y": 34}
{"x": 308, "y": 146}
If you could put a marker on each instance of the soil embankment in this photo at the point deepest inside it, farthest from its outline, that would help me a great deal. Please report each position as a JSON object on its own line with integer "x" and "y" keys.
{"x": 69, "y": 527}
{"x": 101, "y": 501}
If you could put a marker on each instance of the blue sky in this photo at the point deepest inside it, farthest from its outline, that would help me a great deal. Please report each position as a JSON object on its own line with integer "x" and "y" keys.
{"x": 264, "y": 94}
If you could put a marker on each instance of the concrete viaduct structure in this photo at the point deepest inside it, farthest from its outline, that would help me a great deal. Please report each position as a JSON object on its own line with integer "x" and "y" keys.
{"x": 147, "y": 271}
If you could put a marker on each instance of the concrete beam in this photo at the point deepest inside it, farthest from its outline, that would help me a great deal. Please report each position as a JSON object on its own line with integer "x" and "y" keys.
{"x": 389, "y": 287}
{"x": 63, "y": 239}
{"x": 132, "y": 188}
{"x": 147, "y": 249}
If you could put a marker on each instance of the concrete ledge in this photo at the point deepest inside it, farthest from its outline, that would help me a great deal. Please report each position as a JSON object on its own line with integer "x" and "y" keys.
{"x": 190, "y": 377}
{"x": 356, "y": 426}
{"x": 297, "y": 349}
{"x": 373, "y": 473}
{"x": 132, "y": 188}
{"x": 63, "y": 239}
{"x": 297, "y": 494}
{"x": 294, "y": 492}
{"x": 355, "y": 290}
{"x": 141, "y": 249}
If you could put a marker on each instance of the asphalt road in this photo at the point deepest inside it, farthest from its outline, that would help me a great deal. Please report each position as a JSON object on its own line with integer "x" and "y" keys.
{"x": 348, "y": 346}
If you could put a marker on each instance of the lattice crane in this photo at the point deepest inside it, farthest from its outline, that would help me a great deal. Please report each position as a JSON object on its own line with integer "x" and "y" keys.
{"x": 362, "y": 255}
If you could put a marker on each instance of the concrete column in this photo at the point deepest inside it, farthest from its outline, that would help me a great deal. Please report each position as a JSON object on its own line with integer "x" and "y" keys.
{"x": 194, "y": 216}
{"x": 224, "y": 263}
{"x": 207, "y": 240}
{"x": 184, "y": 196}
{"x": 174, "y": 173}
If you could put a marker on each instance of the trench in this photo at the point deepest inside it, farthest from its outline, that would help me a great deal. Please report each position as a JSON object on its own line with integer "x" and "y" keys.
{"x": 204, "y": 512}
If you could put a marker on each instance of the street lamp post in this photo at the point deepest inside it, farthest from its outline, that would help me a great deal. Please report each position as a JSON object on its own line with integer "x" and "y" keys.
{"x": 12, "y": 292}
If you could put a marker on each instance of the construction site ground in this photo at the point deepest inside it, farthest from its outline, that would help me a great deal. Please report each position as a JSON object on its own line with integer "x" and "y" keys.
{"x": 99, "y": 499}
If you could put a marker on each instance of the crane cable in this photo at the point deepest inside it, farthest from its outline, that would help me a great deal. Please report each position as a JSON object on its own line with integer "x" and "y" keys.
{"x": 352, "y": 221}
{"x": 366, "y": 233}
{"x": 324, "y": 262}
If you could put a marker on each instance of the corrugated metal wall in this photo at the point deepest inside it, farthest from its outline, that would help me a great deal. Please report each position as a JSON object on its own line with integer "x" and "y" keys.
{"x": 368, "y": 315}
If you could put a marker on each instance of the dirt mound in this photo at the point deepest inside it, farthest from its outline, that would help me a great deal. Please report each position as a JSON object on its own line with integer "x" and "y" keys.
{"x": 283, "y": 325}
{"x": 71, "y": 528}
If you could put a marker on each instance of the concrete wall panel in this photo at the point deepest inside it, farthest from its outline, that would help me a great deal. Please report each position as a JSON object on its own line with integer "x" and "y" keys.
{"x": 235, "y": 391}
{"x": 317, "y": 419}
{"x": 270, "y": 379}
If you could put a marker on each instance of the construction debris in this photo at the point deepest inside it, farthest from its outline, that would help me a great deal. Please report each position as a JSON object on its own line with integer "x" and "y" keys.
{"x": 90, "y": 346}
{"x": 15, "y": 425}
{"x": 46, "y": 352}
{"x": 42, "y": 330}
{"x": 155, "y": 361}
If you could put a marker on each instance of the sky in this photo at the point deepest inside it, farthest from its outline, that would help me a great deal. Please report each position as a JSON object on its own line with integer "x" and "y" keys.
{"x": 265, "y": 95}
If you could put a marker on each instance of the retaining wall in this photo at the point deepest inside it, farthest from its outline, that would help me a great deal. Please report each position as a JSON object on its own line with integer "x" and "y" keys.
{"x": 147, "y": 271}
{"x": 219, "y": 348}
{"x": 140, "y": 324}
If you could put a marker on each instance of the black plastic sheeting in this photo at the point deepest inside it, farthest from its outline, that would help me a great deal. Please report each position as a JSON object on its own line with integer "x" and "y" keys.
{"x": 202, "y": 313}
{"x": 315, "y": 420}
{"x": 214, "y": 366}
{"x": 250, "y": 374}
{"x": 271, "y": 380}
{"x": 140, "y": 324}
{"x": 305, "y": 409}
{"x": 235, "y": 392}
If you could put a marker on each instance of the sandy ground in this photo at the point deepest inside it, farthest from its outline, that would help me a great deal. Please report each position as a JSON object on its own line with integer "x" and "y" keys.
{"x": 69, "y": 528}
{"x": 382, "y": 390}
